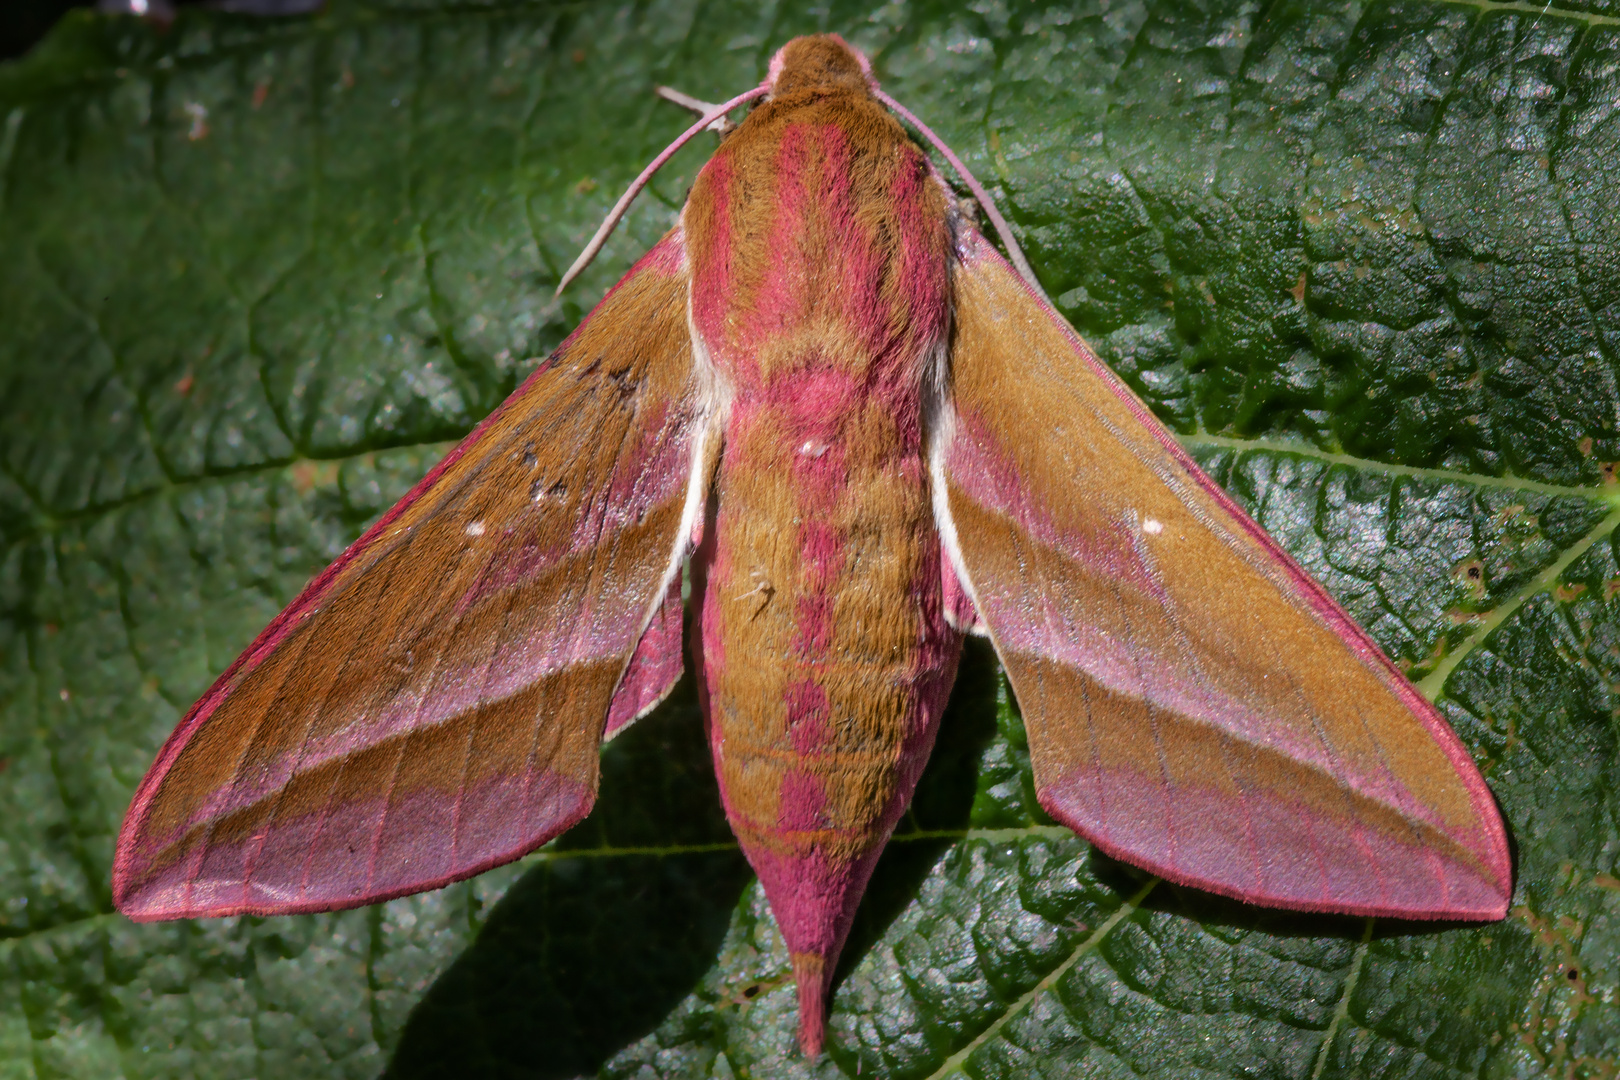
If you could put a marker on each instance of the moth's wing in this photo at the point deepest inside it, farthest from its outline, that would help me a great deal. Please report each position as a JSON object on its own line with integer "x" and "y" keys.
{"x": 1195, "y": 703}
{"x": 432, "y": 705}
{"x": 654, "y": 669}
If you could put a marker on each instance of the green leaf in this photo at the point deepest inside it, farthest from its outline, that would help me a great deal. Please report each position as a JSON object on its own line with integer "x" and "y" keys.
{"x": 255, "y": 274}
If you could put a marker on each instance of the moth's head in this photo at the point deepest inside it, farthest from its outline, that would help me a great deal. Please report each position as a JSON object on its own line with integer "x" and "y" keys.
{"x": 819, "y": 62}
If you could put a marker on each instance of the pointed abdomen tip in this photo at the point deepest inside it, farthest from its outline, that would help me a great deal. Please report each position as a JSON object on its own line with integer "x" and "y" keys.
{"x": 811, "y": 973}
{"x": 812, "y": 1029}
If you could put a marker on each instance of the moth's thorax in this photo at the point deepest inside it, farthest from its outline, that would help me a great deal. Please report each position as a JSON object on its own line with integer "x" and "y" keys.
{"x": 818, "y": 238}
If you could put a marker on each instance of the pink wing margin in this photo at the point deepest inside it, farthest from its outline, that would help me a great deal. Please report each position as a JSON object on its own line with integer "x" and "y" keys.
{"x": 1196, "y": 704}
{"x": 431, "y": 705}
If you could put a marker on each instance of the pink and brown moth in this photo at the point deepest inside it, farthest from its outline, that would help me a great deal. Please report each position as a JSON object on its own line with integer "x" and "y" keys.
{"x": 870, "y": 435}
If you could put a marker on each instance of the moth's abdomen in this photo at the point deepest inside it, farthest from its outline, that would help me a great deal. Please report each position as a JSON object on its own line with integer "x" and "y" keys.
{"x": 823, "y": 633}
{"x": 826, "y": 659}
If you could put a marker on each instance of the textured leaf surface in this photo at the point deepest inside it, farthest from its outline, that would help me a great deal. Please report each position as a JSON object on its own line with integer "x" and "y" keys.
{"x": 254, "y": 274}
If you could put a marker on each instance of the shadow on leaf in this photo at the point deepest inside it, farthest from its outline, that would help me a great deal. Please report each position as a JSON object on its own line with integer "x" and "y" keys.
{"x": 593, "y": 948}
{"x": 1211, "y": 910}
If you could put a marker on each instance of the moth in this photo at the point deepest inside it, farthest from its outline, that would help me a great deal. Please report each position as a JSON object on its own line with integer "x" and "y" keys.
{"x": 869, "y": 435}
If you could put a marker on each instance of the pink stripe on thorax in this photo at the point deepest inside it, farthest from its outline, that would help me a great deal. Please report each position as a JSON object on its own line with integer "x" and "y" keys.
{"x": 781, "y": 298}
{"x": 712, "y": 291}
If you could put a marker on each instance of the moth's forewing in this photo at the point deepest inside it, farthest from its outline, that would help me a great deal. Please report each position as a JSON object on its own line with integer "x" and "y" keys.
{"x": 1196, "y": 704}
{"x": 432, "y": 705}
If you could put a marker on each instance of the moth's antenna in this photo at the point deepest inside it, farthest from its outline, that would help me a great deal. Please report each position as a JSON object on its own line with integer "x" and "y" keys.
{"x": 619, "y": 208}
{"x": 687, "y": 101}
{"x": 1014, "y": 252}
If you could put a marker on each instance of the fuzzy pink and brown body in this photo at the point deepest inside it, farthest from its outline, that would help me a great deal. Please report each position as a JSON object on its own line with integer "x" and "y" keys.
{"x": 819, "y": 247}
{"x": 881, "y": 434}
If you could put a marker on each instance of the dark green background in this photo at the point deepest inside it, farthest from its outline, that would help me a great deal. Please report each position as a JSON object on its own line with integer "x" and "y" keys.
{"x": 254, "y": 274}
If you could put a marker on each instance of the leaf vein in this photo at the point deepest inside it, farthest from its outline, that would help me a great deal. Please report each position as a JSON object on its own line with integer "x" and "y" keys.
{"x": 1342, "y": 1010}
{"x": 1433, "y": 685}
{"x": 1204, "y": 439}
{"x": 954, "y": 1063}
